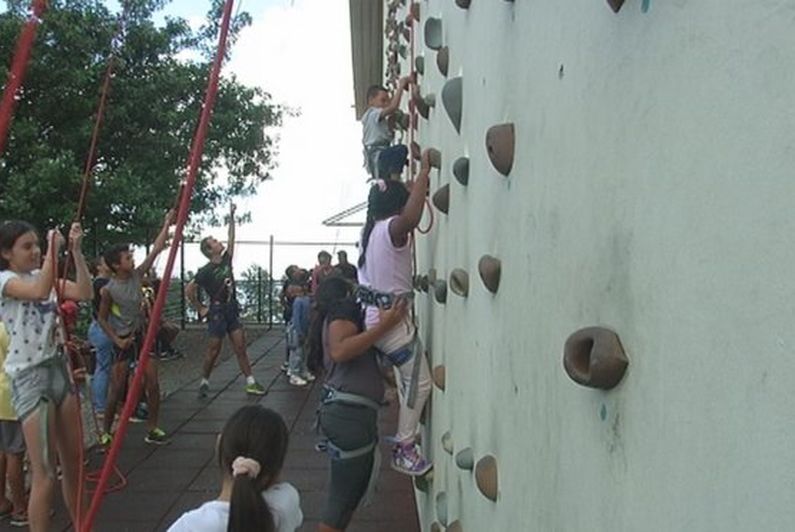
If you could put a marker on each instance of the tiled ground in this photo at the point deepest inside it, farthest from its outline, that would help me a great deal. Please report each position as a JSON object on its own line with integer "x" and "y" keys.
{"x": 163, "y": 482}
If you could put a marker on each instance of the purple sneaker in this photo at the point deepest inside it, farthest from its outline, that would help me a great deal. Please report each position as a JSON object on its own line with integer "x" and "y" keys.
{"x": 406, "y": 459}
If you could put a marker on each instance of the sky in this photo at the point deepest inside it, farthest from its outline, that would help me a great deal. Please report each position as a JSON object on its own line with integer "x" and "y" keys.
{"x": 299, "y": 52}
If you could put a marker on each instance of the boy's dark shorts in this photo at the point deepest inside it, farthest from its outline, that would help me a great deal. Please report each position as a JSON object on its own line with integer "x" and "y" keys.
{"x": 392, "y": 160}
{"x": 222, "y": 319}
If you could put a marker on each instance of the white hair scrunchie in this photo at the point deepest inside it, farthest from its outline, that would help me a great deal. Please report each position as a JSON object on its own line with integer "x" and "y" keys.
{"x": 245, "y": 466}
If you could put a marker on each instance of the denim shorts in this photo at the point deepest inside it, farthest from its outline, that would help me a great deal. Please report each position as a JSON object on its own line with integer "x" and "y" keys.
{"x": 48, "y": 380}
{"x": 222, "y": 319}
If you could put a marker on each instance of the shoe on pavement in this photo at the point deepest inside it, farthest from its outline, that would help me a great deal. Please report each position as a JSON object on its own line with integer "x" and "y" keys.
{"x": 204, "y": 390}
{"x": 156, "y": 436}
{"x": 296, "y": 380}
{"x": 255, "y": 388}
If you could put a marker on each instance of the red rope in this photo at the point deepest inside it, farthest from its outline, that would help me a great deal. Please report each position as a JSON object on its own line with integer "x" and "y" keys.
{"x": 18, "y": 68}
{"x": 182, "y": 216}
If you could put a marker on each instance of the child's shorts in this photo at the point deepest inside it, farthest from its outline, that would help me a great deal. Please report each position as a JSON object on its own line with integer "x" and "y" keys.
{"x": 130, "y": 353}
{"x": 222, "y": 319}
{"x": 11, "y": 439}
{"x": 392, "y": 160}
{"x": 48, "y": 380}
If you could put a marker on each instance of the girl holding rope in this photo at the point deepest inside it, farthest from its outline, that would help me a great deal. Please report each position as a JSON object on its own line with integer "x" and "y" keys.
{"x": 42, "y": 392}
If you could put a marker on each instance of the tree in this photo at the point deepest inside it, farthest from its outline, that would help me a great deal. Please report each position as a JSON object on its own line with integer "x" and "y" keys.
{"x": 156, "y": 94}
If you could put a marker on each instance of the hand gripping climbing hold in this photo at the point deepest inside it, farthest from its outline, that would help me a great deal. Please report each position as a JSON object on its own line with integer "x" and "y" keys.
{"x": 439, "y": 377}
{"x": 486, "y": 477}
{"x": 447, "y": 442}
{"x": 615, "y": 5}
{"x": 461, "y": 170}
{"x": 490, "y": 269}
{"x": 465, "y": 459}
{"x": 443, "y": 60}
{"x": 435, "y": 158}
{"x": 594, "y": 357}
{"x": 459, "y": 282}
{"x": 433, "y": 33}
{"x": 500, "y": 145}
{"x": 452, "y": 101}
{"x": 440, "y": 291}
{"x": 441, "y": 507}
{"x": 441, "y": 199}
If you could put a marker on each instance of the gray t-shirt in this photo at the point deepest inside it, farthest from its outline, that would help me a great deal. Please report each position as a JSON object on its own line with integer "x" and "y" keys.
{"x": 126, "y": 311}
{"x": 375, "y": 131}
{"x": 361, "y": 375}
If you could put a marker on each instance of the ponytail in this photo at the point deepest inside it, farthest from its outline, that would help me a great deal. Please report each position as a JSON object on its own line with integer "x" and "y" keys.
{"x": 368, "y": 228}
{"x": 247, "y": 508}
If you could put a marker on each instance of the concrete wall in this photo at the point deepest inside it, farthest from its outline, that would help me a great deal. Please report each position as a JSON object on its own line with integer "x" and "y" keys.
{"x": 652, "y": 193}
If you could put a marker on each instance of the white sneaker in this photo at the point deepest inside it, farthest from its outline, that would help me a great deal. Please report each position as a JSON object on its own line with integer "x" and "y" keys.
{"x": 295, "y": 380}
{"x": 308, "y": 377}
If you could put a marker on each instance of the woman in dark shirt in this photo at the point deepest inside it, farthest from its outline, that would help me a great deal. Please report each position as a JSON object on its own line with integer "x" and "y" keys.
{"x": 352, "y": 394}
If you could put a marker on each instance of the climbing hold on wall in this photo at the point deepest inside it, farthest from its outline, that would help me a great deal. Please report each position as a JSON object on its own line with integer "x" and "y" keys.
{"x": 439, "y": 377}
{"x": 465, "y": 459}
{"x": 430, "y": 100}
{"x": 424, "y": 283}
{"x": 500, "y": 145}
{"x": 414, "y": 11}
{"x": 423, "y": 483}
{"x": 486, "y": 477}
{"x": 452, "y": 95}
{"x": 436, "y": 527}
{"x": 443, "y": 60}
{"x": 441, "y": 199}
{"x": 615, "y": 5}
{"x": 447, "y": 442}
{"x": 490, "y": 269}
{"x": 420, "y": 104}
{"x": 594, "y": 357}
{"x": 435, "y": 158}
{"x": 440, "y": 290}
{"x": 419, "y": 64}
{"x": 459, "y": 282}
{"x": 416, "y": 151}
{"x": 441, "y": 507}
{"x": 455, "y": 526}
{"x": 463, "y": 4}
{"x": 433, "y": 33}
{"x": 461, "y": 168}
{"x": 402, "y": 120}
{"x": 403, "y": 51}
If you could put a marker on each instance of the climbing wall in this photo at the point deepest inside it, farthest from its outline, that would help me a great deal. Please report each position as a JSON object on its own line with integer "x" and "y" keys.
{"x": 606, "y": 291}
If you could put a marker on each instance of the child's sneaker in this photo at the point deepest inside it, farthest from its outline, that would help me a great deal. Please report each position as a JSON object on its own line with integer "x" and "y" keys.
{"x": 105, "y": 439}
{"x": 406, "y": 459}
{"x": 285, "y": 367}
{"x": 140, "y": 414}
{"x": 308, "y": 377}
{"x": 19, "y": 519}
{"x": 156, "y": 436}
{"x": 204, "y": 390}
{"x": 255, "y": 388}
{"x": 296, "y": 380}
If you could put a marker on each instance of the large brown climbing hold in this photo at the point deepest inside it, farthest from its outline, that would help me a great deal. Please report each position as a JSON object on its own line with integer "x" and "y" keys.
{"x": 486, "y": 477}
{"x": 440, "y": 290}
{"x": 500, "y": 143}
{"x": 441, "y": 507}
{"x": 436, "y": 527}
{"x": 465, "y": 459}
{"x": 416, "y": 151}
{"x": 459, "y": 282}
{"x": 461, "y": 170}
{"x": 441, "y": 199}
{"x": 594, "y": 357}
{"x": 414, "y": 11}
{"x": 443, "y": 60}
{"x": 439, "y": 377}
{"x": 463, "y": 4}
{"x": 452, "y": 94}
{"x": 615, "y": 5}
{"x": 455, "y": 526}
{"x": 490, "y": 269}
{"x": 447, "y": 442}
{"x": 433, "y": 33}
{"x": 419, "y": 64}
{"x": 435, "y": 158}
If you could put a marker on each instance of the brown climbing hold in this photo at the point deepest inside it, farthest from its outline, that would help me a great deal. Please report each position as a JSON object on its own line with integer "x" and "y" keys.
{"x": 463, "y": 4}
{"x": 416, "y": 151}
{"x": 441, "y": 199}
{"x": 436, "y": 527}
{"x": 443, "y": 60}
{"x": 594, "y": 357}
{"x": 419, "y": 102}
{"x": 465, "y": 459}
{"x": 424, "y": 482}
{"x": 402, "y": 120}
{"x": 441, "y": 507}
{"x": 459, "y": 282}
{"x": 490, "y": 269}
{"x": 424, "y": 283}
{"x": 500, "y": 140}
{"x": 435, "y": 158}
{"x": 433, "y": 33}
{"x": 461, "y": 170}
{"x": 615, "y": 5}
{"x": 439, "y": 377}
{"x": 440, "y": 290}
{"x": 430, "y": 100}
{"x": 452, "y": 94}
{"x": 447, "y": 442}
{"x": 414, "y": 11}
{"x": 486, "y": 477}
{"x": 419, "y": 64}
{"x": 455, "y": 526}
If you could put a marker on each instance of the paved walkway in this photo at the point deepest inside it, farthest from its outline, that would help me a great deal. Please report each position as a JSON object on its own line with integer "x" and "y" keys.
{"x": 166, "y": 481}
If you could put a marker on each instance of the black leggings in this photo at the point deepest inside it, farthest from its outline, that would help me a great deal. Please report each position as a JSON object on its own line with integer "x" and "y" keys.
{"x": 348, "y": 427}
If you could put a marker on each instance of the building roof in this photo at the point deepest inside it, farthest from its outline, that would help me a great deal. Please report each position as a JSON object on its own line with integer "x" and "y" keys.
{"x": 367, "y": 48}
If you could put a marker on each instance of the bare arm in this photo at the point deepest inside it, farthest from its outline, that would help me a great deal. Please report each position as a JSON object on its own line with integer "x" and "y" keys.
{"x": 80, "y": 289}
{"x": 395, "y": 103}
{"x": 159, "y": 244}
{"x": 346, "y": 342}
{"x": 40, "y": 287}
{"x": 192, "y": 293}
{"x": 406, "y": 221}
{"x": 230, "y": 244}
{"x": 105, "y": 301}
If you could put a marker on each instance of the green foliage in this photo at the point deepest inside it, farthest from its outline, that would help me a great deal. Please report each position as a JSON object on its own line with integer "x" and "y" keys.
{"x": 160, "y": 75}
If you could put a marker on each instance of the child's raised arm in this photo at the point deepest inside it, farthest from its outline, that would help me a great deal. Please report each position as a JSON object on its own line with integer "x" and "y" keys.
{"x": 80, "y": 289}
{"x": 395, "y": 103}
{"x": 159, "y": 244}
{"x": 230, "y": 243}
{"x": 406, "y": 221}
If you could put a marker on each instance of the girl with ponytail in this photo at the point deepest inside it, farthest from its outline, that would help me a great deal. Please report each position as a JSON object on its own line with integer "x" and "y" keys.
{"x": 251, "y": 451}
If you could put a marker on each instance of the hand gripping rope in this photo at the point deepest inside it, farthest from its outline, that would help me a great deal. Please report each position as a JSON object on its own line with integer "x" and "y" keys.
{"x": 182, "y": 216}
{"x": 19, "y": 66}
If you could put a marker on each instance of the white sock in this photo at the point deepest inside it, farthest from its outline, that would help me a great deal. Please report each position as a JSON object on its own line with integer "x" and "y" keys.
{"x": 205, "y": 382}
{"x": 250, "y": 380}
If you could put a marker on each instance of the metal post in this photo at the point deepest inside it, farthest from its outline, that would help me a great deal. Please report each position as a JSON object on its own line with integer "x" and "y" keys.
{"x": 182, "y": 307}
{"x": 259, "y": 294}
{"x": 270, "y": 286}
